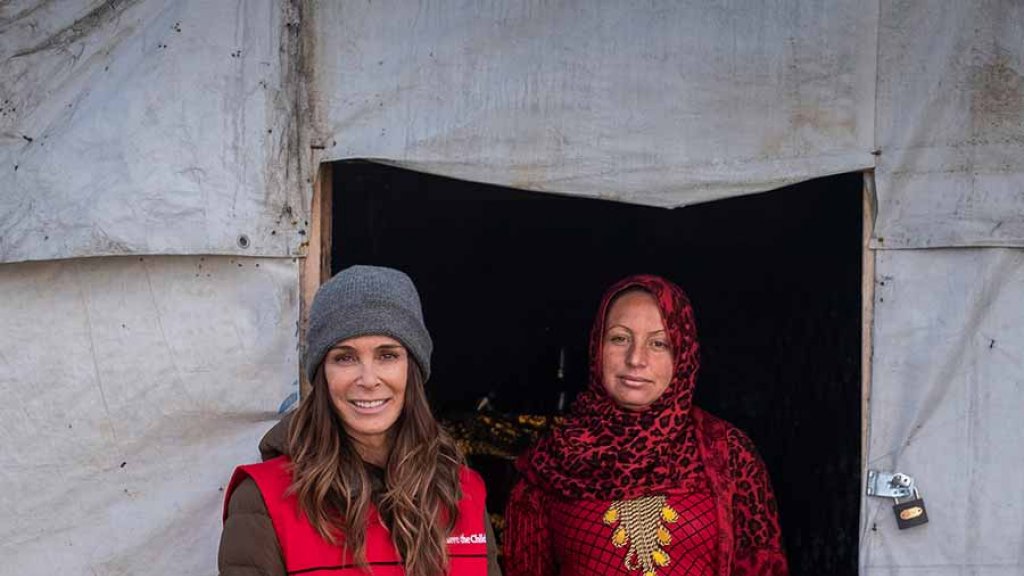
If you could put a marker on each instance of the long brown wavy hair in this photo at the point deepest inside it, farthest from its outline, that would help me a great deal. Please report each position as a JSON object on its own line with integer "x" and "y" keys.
{"x": 419, "y": 504}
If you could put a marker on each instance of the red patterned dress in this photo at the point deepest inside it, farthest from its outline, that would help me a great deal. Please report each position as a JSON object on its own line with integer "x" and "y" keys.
{"x": 668, "y": 491}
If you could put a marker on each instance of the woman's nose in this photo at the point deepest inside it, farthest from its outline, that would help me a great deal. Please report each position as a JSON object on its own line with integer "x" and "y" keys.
{"x": 367, "y": 376}
{"x": 636, "y": 356}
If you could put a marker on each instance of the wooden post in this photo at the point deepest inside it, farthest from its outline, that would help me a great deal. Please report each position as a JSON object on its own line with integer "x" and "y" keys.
{"x": 867, "y": 296}
{"x": 315, "y": 266}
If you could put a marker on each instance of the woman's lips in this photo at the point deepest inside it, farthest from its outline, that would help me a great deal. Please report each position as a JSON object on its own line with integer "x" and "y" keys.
{"x": 634, "y": 381}
{"x": 369, "y": 406}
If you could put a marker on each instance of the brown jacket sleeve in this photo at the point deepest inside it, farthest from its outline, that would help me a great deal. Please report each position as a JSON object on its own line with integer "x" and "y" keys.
{"x": 248, "y": 544}
{"x": 493, "y": 569}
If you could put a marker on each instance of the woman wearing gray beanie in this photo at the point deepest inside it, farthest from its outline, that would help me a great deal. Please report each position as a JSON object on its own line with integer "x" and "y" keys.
{"x": 365, "y": 480}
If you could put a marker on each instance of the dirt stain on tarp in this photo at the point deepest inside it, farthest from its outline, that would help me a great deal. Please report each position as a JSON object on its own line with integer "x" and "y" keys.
{"x": 997, "y": 98}
{"x": 92, "y": 21}
{"x": 7, "y": 20}
{"x": 296, "y": 135}
{"x": 821, "y": 120}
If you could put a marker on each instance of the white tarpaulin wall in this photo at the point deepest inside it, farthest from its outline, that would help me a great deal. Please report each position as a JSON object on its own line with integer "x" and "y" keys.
{"x": 179, "y": 127}
{"x": 947, "y": 399}
{"x": 149, "y": 127}
{"x": 950, "y": 124}
{"x": 158, "y": 127}
{"x": 131, "y": 386}
{"x": 948, "y": 367}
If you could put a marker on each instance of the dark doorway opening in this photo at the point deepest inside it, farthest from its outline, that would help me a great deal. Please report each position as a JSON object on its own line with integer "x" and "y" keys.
{"x": 510, "y": 281}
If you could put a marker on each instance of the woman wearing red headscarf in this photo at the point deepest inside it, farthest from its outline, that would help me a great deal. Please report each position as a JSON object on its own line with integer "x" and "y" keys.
{"x": 637, "y": 480}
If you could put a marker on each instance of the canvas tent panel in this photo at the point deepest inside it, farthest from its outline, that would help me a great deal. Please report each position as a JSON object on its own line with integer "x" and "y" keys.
{"x": 681, "y": 102}
{"x": 950, "y": 124}
{"x": 188, "y": 127}
{"x": 148, "y": 127}
{"x": 131, "y": 388}
{"x": 945, "y": 408}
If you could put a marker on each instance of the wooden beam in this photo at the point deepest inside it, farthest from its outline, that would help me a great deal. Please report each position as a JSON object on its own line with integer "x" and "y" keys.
{"x": 867, "y": 296}
{"x": 315, "y": 265}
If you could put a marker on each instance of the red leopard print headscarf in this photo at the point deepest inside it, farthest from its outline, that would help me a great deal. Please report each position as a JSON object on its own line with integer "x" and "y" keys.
{"x": 603, "y": 451}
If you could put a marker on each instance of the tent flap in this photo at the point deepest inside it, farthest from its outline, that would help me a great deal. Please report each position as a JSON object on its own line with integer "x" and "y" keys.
{"x": 945, "y": 408}
{"x": 679, "y": 103}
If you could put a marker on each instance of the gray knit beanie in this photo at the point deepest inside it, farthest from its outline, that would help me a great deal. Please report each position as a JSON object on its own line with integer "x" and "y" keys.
{"x": 363, "y": 301}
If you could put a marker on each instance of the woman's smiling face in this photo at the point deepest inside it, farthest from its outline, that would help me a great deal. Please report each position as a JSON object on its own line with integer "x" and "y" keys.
{"x": 636, "y": 353}
{"x": 366, "y": 377}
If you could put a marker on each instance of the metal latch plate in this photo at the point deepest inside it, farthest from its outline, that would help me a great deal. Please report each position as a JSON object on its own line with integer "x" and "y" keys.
{"x": 889, "y": 484}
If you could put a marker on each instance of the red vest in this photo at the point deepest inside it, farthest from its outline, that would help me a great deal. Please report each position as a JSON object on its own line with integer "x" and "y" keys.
{"x": 305, "y": 552}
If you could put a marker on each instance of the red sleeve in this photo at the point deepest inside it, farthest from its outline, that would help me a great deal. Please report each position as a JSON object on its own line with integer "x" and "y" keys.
{"x": 527, "y": 544}
{"x": 758, "y": 538}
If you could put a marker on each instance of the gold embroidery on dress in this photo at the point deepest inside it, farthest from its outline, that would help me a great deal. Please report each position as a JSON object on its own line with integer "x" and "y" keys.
{"x": 641, "y": 524}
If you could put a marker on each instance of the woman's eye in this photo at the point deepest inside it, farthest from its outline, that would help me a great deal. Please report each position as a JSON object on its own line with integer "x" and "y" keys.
{"x": 343, "y": 358}
{"x": 659, "y": 345}
{"x": 389, "y": 356}
{"x": 618, "y": 339}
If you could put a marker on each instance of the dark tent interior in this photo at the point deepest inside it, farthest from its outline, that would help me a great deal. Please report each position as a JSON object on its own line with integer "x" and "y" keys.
{"x": 510, "y": 281}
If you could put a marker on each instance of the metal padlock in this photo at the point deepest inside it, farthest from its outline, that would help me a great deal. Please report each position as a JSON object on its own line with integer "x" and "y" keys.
{"x": 910, "y": 513}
